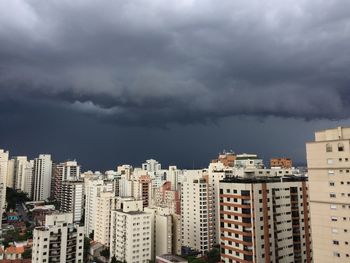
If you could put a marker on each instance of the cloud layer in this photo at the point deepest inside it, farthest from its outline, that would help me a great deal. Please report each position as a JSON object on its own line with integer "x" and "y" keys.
{"x": 154, "y": 62}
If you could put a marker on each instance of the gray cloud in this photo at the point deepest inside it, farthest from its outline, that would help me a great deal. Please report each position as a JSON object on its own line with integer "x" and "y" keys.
{"x": 154, "y": 62}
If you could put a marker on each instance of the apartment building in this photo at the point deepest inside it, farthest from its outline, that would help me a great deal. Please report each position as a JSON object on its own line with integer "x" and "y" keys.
{"x": 93, "y": 187}
{"x": 105, "y": 203}
{"x": 4, "y": 157}
{"x": 328, "y": 161}
{"x": 42, "y": 175}
{"x": 162, "y": 230}
{"x": 72, "y": 199}
{"x": 66, "y": 171}
{"x": 265, "y": 219}
{"x": 131, "y": 233}
{"x": 196, "y": 216}
{"x": 60, "y": 240}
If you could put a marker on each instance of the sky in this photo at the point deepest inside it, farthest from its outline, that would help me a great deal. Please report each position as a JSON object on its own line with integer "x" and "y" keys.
{"x": 112, "y": 81}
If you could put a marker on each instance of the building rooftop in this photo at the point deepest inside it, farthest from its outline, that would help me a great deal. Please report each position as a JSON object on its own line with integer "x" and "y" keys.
{"x": 171, "y": 258}
{"x": 264, "y": 179}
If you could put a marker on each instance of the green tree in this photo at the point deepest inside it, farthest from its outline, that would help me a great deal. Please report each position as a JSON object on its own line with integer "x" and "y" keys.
{"x": 86, "y": 248}
{"x": 27, "y": 253}
{"x": 14, "y": 197}
{"x": 213, "y": 255}
{"x": 105, "y": 253}
{"x": 114, "y": 260}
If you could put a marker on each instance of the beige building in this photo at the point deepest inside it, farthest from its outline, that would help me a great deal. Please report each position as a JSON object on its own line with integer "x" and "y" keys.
{"x": 105, "y": 203}
{"x": 131, "y": 232}
{"x": 196, "y": 214}
{"x": 264, "y": 219}
{"x": 328, "y": 160}
{"x": 4, "y": 158}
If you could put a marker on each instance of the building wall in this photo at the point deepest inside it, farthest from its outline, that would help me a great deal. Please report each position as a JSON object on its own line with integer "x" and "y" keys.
{"x": 42, "y": 177}
{"x": 329, "y": 172}
{"x": 264, "y": 221}
{"x": 131, "y": 236}
{"x": 58, "y": 241}
{"x": 4, "y": 157}
{"x": 195, "y": 215}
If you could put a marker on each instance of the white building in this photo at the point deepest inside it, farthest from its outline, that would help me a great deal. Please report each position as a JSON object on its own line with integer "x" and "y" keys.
{"x": 42, "y": 177}
{"x": 93, "y": 187}
{"x": 196, "y": 217}
{"x": 131, "y": 233}
{"x": 28, "y": 178}
{"x": 72, "y": 199}
{"x": 4, "y": 157}
{"x": 60, "y": 240}
{"x": 10, "y": 179}
{"x": 162, "y": 229}
{"x": 151, "y": 166}
{"x": 21, "y": 164}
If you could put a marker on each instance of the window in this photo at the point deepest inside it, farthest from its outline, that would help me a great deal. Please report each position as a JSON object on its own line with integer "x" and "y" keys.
{"x": 329, "y": 147}
{"x": 331, "y": 183}
{"x": 332, "y": 195}
{"x": 335, "y": 242}
{"x": 336, "y": 254}
{"x": 329, "y": 161}
{"x": 330, "y": 172}
{"x": 340, "y": 147}
{"x": 333, "y": 206}
{"x": 334, "y": 218}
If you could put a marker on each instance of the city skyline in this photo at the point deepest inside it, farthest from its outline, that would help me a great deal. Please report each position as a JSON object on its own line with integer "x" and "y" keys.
{"x": 176, "y": 81}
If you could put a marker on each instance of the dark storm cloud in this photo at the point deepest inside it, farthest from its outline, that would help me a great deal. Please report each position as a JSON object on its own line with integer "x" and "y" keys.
{"x": 152, "y": 62}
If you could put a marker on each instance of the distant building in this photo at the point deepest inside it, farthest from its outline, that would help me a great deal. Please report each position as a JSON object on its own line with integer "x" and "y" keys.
{"x": 151, "y": 166}
{"x": 66, "y": 171}
{"x": 60, "y": 240}
{"x": 42, "y": 173}
{"x": 265, "y": 219}
{"x": 226, "y": 158}
{"x": 72, "y": 199}
{"x": 281, "y": 163}
{"x": 4, "y": 158}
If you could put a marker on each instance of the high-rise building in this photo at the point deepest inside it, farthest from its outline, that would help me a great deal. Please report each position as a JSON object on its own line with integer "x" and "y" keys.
{"x": 21, "y": 163}
{"x": 265, "y": 219}
{"x": 4, "y": 157}
{"x": 162, "y": 230}
{"x": 60, "y": 240}
{"x": 72, "y": 199}
{"x": 66, "y": 171}
{"x": 93, "y": 187}
{"x": 10, "y": 177}
{"x": 328, "y": 161}
{"x": 196, "y": 217}
{"x": 131, "y": 235}
{"x": 28, "y": 178}
{"x": 42, "y": 177}
{"x": 105, "y": 203}
{"x": 151, "y": 166}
